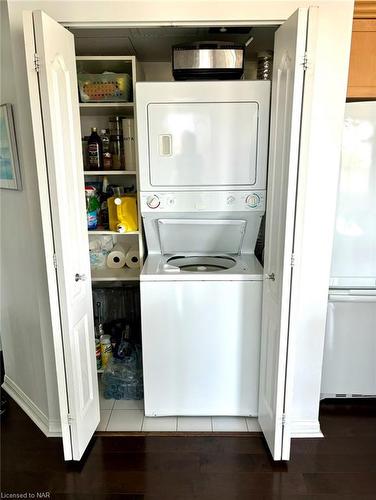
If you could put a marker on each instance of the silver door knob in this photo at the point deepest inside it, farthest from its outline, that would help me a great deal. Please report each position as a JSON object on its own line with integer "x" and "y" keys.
{"x": 270, "y": 276}
{"x": 79, "y": 277}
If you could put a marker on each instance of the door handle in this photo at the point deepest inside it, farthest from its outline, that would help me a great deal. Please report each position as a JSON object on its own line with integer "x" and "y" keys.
{"x": 270, "y": 276}
{"x": 79, "y": 277}
{"x": 165, "y": 145}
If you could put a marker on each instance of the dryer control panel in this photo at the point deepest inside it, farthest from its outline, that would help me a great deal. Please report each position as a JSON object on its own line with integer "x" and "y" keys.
{"x": 203, "y": 201}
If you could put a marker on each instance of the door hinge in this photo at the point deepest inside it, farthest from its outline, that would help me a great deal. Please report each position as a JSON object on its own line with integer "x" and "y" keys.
{"x": 283, "y": 418}
{"x": 55, "y": 260}
{"x": 70, "y": 419}
{"x": 292, "y": 263}
{"x": 36, "y": 62}
{"x": 305, "y": 62}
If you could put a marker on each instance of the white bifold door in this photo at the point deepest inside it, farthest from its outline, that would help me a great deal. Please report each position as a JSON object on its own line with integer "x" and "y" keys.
{"x": 291, "y": 53}
{"x": 73, "y": 333}
{"x": 73, "y": 330}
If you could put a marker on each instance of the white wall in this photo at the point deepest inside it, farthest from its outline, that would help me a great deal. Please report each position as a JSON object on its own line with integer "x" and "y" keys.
{"x": 24, "y": 301}
{"x": 318, "y": 177}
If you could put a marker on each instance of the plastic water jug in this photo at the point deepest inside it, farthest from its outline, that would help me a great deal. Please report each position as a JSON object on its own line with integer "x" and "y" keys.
{"x": 122, "y": 213}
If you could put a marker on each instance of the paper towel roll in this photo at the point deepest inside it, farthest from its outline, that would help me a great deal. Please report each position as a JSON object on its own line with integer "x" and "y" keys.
{"x": 132, "y": 258}
{"x": 117, "y": 257}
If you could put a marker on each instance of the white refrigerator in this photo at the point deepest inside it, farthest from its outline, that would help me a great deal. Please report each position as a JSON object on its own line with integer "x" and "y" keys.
{"x": 349, "y": 364}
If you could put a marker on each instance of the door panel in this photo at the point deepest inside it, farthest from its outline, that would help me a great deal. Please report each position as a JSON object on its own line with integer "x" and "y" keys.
{"x": 190, "y": 144}
{"x": 62, "y": 139}
{"x": 287, "y": 95}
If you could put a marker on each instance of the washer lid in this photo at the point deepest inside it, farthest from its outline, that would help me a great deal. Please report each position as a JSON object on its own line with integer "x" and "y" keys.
{"x": 201, "y": 236}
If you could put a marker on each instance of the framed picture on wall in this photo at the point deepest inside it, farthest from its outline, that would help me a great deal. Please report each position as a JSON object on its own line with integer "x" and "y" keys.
{"x": 10, "y": 177}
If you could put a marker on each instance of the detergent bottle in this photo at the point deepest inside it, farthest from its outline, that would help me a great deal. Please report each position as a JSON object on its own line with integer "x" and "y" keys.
{"x": 92, "y": 207}
{"x": 122, "y": 213}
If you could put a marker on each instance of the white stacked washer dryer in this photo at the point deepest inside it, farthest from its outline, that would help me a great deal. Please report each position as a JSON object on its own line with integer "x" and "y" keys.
{"x": 203, "y": 161}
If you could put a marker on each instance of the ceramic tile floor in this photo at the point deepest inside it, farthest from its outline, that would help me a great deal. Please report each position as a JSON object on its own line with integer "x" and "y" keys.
{"x": 125, "y": 416}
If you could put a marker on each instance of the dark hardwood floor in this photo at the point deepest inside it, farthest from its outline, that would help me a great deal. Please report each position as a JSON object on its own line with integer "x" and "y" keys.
{"x": 341, "y": 466}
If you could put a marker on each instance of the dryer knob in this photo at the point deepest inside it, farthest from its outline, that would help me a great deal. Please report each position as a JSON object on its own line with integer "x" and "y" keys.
{"x": 253, "y": 200}
{"x": 153, "y": 201}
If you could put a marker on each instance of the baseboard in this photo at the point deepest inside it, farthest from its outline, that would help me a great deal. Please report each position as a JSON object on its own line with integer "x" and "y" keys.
{"x": 54, "y": 428}
{"x": 50, "y": 428}
{"x": 305, "y": 429}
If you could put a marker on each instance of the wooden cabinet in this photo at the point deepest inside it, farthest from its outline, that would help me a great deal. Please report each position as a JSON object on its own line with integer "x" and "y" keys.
{"x": 362, "y": 71}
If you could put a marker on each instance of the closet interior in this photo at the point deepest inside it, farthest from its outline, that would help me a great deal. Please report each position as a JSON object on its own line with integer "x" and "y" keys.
{"x": 133, "y": 54}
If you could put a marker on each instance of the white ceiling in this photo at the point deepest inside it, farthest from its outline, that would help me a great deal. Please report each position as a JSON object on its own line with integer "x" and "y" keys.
{"x": 154, "y": 44}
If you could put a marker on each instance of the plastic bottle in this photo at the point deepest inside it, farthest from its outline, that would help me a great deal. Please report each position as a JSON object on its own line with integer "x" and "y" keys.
{"x": 100, "y": 331}
{"x": 107, "y": 156}
{"x": 92, "y": 207}
{"x": 98, "y": 353}
{"x": 264, "y": 65}
{"x": 103, "y": 202}
{"x": 95, "y": 151}
{"x": 106, "y": 349}
{"x": 122, "y": 213}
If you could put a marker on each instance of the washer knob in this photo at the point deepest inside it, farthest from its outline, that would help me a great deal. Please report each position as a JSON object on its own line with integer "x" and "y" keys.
{"x": 153, "y": 201}
{"x": 253, "y": 200}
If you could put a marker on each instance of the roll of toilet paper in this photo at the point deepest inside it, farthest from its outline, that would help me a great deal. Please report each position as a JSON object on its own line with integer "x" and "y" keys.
{"x": 132, "y": 258}
{"x": 117, "y": 257}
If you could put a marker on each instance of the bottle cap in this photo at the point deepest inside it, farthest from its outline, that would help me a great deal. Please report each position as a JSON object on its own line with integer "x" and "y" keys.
{"x": 93, "y": 129}
{"x": 90, "y": 190}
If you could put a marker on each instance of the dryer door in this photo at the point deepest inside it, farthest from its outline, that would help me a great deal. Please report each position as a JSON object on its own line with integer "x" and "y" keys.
{"x": 203, "y": 144}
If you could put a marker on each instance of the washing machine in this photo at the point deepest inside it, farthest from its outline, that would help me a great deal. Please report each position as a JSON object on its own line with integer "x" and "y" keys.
{"x": 202, "y": 149}
{"x": 201, "y": 289}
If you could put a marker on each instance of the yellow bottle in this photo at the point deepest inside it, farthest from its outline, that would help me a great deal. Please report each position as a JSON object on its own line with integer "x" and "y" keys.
{"x": 106, "y": 349}
{"x": 122, "y": 213}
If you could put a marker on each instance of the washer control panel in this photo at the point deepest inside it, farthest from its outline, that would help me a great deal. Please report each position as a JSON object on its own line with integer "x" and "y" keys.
{"x": 210, "y": 201}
